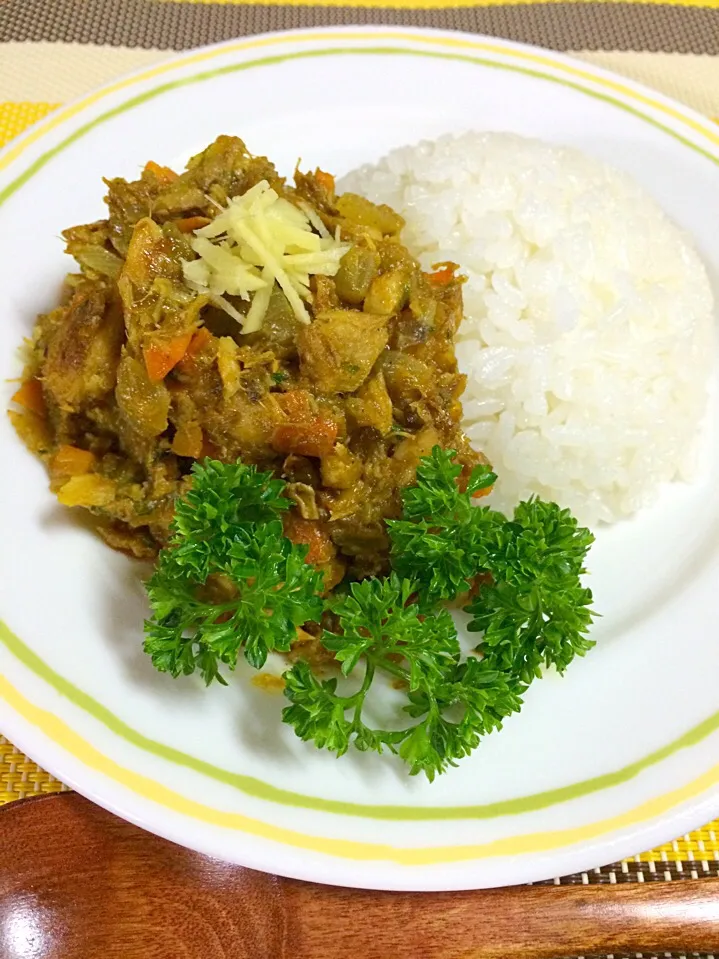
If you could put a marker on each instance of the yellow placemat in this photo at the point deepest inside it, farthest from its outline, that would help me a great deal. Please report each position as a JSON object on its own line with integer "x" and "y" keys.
{"x": 53, "y": 52}
{"x": 21, "y": 777}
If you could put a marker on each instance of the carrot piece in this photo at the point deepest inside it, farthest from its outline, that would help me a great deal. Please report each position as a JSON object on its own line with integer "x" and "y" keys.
{"x": 30, "y": 396}
{"x": 307, "y": 432}
{"x": 199, "y": 341}
{"x": 163, "y": 355}
{"x": 463, "y": 480}
{"x": 189, "y": 223}
{"x": 325, "y": 180}
{"x": 309, "y": 532}
{"x": 163, "y": 173}
{"x": 442, "y": 277}
{"x": 72, "y": 461}
{"x": 315, "y": 437}
{"x": 295, "y": 404}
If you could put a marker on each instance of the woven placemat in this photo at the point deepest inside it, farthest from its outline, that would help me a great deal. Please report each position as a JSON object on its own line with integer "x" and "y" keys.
{"x": 53, "y": 52}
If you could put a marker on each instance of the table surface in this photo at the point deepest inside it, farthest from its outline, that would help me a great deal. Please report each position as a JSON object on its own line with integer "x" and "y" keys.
{"x": 53, "y": 52}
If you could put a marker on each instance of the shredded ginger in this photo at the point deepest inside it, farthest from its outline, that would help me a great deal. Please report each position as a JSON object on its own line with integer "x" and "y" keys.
{"x": 258, "y": 240}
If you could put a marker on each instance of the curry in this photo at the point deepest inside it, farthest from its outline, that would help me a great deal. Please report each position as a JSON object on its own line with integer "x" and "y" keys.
{"x": 138, "y": 373}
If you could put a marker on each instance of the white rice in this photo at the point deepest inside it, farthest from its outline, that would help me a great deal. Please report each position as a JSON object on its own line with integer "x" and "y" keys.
{"x": 588, "y": 330}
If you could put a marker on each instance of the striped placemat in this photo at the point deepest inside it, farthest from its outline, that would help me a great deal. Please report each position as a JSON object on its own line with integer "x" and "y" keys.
{"x": 51, "y": 52}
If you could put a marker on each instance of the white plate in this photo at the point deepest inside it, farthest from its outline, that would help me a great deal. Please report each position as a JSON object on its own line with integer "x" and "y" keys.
{"x": 618, "y": 756}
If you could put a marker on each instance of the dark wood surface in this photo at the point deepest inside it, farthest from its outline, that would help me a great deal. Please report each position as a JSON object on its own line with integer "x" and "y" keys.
{"x": 77, "y": 883}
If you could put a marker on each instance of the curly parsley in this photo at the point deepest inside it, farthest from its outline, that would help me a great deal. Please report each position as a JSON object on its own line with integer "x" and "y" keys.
{"x": 230, "y": 581}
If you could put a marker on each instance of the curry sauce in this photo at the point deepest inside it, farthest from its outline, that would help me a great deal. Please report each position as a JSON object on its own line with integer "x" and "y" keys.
{"x": 136, "y": 375}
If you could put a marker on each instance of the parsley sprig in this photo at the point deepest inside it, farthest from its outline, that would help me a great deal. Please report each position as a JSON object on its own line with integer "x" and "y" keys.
{"x": 535, "y": 611}
{"x": 230, "y": 581}
{"x": 529, "y": 603}
{"x": 380, "y": 629}
{"x": 443, "y": 542}
{"x": 229, "y": 578}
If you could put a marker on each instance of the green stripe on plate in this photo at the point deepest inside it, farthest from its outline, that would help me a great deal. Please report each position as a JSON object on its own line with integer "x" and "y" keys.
{"x": 330, "y": 51}
{"x": 262, "y": 790}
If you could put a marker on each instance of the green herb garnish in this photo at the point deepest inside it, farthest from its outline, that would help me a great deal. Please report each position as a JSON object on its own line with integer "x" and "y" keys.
{"x": 535, "y": 611}
{"x": 380, "y": 629}
{"x": 443, "y": 542}
{"x": 230, "y": 581}
{"x": 230, "y": 578}
{"x": 530, "y": 603}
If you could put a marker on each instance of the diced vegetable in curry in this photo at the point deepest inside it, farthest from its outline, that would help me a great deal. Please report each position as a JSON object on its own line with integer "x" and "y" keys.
{"x": 328, "y": 359}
